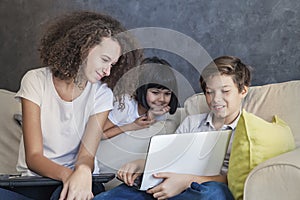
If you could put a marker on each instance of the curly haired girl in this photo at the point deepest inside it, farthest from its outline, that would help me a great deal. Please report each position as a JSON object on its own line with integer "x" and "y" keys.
{"x": 66, "y": 102}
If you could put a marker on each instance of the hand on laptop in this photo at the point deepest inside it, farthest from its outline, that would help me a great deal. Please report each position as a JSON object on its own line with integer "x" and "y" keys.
{"x": 172, "y": 185}
{"x": 130, "y": 171}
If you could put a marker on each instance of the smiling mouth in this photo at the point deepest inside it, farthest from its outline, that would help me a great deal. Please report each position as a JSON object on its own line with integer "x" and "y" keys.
{"x": 218, "y": 107}
{"x": 99, "y": 76}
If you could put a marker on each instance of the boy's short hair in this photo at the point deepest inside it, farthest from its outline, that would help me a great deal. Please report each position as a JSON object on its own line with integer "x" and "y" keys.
{"x": 227, "y": 65}
{"x": 156, "y": 73}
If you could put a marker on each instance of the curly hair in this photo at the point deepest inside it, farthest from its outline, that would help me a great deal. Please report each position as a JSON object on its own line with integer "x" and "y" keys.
{"x": 68, "y": 39}
{"x": 228, "y": 65}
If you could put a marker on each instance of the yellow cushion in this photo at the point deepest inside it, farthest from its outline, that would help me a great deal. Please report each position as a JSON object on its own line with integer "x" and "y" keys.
{"x": 255, "y": 141}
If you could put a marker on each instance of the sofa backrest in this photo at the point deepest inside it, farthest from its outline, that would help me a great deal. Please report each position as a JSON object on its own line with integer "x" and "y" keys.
{"x": 281, "y": 99}
{"x": 10, "y": 132}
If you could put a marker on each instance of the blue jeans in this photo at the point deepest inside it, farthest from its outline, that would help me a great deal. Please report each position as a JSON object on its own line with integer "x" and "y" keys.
{"x": 205, "y": 191}
{"x": 7, "y": 195}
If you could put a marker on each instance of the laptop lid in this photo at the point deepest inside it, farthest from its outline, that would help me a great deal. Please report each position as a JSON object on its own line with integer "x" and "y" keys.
{"x": 200, "y": 153}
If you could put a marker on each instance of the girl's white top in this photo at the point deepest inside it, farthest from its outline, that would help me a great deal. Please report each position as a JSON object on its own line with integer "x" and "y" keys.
{"x": 129, "y": 114}
{"x": 62, "y": 123}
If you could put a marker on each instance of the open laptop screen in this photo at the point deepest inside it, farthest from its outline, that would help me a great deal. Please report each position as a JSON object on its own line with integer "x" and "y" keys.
{"x": 199, "y": 153}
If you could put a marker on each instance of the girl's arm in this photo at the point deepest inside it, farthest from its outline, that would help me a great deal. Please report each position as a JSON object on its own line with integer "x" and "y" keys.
{"x": 111, "y": 130}
{"x": 79, "y": 184}
{"x": 33, "y": 143}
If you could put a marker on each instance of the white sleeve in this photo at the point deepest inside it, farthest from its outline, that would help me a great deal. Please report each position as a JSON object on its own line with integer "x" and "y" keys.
{"x": 30, "y": 88}
{"x": 127, "y": 115}
{"x": 103, "y": 99}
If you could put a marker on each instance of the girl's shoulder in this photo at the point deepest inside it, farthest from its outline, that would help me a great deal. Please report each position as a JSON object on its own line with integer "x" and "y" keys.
{"x": 38, "y": 73}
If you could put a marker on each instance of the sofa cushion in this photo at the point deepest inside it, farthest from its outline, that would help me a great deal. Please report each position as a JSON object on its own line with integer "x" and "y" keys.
{"x": 276, "y": 178}
{"x": 255, "y": 141}
{"x": 281, "y": 99}
{"x": 10, "y": 132}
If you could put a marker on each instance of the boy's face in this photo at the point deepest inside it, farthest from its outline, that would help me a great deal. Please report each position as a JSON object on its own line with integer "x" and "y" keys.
{"x": 223, "y": 98}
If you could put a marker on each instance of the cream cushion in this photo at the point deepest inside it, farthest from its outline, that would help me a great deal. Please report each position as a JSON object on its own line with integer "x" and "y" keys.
{"x": 275, "y": 179}
{"x": 10, "y": 131}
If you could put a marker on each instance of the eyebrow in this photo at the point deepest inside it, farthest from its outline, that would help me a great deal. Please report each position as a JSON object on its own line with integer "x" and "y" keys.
{"x": 226, "y": 86}
{"x": 223, "y": 86}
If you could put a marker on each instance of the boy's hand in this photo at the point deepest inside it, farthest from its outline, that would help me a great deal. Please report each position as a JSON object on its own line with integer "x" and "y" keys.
{"x": 172, "y": 185}
{"x": 130, "y": 171}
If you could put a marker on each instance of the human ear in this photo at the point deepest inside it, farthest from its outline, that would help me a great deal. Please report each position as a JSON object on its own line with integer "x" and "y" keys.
{"x": 245, "y": 91}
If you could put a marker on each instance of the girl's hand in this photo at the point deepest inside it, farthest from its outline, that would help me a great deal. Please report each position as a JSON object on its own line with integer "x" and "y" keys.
{"x": 78, "y": 185}
{"x": 141, "y": 122}
{"x": 172, "y": 185}
{"x": 130, "y": 171}
{"x": 152, "y": 112}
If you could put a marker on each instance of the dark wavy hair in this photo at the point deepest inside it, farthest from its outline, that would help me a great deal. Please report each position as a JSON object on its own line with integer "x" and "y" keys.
{"x": 227, "y": 65}
{"x": 68, "y": 39}
{"x": 156, "y": 73}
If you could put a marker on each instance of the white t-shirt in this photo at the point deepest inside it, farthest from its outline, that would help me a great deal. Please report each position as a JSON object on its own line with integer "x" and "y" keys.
{"x": 129, "y": 114}
{"x": 63, "y": 123}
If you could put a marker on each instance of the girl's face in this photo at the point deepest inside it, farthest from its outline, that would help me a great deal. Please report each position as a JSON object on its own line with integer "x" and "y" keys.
{"x": 223, "y": 98}
{"x": 101, "y": 58}
{"x": 158, "y": 98}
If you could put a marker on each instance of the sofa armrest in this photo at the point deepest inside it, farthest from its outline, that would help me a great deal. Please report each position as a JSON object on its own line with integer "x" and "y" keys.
{"x": 10, "y": 132}
{"x": 276, "y": 178}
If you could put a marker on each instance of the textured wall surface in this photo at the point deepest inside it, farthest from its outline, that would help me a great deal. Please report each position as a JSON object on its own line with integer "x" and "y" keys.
{"x": 264, "y": 34}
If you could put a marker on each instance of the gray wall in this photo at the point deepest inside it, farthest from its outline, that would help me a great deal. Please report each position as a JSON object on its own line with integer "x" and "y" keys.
{"x": 264, "y": 34}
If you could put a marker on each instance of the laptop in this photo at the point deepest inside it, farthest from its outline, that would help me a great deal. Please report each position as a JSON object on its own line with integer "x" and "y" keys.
{"x": 16, "y": 180}
{"x": 200, "y": 153}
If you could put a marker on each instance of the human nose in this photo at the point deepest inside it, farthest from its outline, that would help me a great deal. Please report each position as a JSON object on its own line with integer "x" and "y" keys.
{"x": 107, "y": 70}
{"x": 217, "y": 96}
{"x": 161, "y": 98}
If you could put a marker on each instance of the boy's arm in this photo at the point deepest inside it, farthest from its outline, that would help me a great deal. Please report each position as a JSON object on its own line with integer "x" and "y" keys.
{"x": 174, "y": 184}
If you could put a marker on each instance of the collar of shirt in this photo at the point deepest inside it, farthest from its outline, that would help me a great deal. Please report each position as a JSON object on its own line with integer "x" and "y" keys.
{"x": 232, "y": 126}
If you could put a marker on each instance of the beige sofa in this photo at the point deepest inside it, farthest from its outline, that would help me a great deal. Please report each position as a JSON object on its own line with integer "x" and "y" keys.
{"x": 276, "y": 178}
